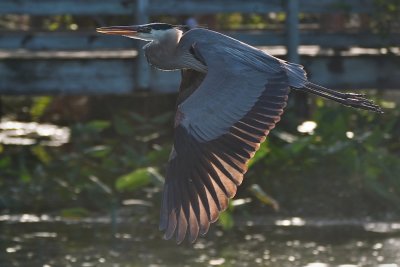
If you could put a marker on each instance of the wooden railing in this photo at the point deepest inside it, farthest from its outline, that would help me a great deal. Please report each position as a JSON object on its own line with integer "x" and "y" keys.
{"x": 83, "y": 62}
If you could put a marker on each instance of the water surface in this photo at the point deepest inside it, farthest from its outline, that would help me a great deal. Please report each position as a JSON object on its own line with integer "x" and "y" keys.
{"x": 30, "y": 240}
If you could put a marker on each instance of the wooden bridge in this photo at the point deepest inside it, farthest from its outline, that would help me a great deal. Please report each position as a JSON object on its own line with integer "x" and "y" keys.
{"x": 84, "y": 62}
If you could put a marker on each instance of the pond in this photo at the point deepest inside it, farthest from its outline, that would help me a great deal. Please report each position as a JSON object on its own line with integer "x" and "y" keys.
{"x": 30, "y": 240}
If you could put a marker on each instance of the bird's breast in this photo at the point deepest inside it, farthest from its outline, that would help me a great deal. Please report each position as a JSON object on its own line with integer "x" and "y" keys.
{"x": 160, "y": 61}
{"x": 161, "y": 57}
{"x": 172, "y": 59}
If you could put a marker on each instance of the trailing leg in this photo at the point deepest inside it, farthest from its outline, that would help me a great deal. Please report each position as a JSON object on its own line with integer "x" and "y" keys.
{"x": 347, "y": 99}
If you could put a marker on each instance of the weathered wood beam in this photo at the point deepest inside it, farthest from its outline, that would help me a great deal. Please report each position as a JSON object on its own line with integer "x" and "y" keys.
{"x": 175, "y": 7}
{"x": 90, "y": 40}
{"x": 142, "y": 67}
{"x": 74, "y": 7}
{"x": 257, "y": 6}
{"x": 114, "y": 76}
{"x": 74, "y": 40}
{"x": 323, "y": 39}
{"x": 59, "y": 76}
{"x": 359, "y": 72}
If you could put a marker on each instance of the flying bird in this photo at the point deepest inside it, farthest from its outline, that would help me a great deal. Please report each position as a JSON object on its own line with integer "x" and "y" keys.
{"x": 230, "y": 97}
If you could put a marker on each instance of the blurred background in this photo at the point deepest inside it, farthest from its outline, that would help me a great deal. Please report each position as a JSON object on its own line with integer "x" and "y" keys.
{"x": 86, "y": 130}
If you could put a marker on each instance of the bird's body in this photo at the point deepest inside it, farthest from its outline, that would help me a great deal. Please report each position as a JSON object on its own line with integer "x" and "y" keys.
{"x": 231, "y": 96}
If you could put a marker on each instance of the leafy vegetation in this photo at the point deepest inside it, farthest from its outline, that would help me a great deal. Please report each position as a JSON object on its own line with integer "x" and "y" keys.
{"x": 386, "y": 16}
{"x": 104, "y": 157}
{"x": 349, "y": 163}
{"x": 347, "y": 166}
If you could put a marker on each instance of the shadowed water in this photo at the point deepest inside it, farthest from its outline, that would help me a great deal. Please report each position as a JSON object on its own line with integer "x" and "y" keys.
{"x": 30, "y": 240}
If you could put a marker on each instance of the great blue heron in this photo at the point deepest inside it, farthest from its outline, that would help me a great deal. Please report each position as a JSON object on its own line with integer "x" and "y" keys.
{"x": 231, "y": 96}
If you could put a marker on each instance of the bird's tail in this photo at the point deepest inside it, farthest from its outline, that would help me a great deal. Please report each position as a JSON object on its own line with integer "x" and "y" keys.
{"x": 347, "y": 99}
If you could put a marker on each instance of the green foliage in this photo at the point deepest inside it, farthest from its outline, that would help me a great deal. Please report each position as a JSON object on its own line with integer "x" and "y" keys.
{"x": 263, "y": 197}
{"x": 74, "y": 213}
{"x": 134, "y": 180}
{"x": 356, "y": 151}
{"x": 85, "y": 172}
{"x": 226, "y": 219}
{"x": 352, "y": 158}
{"x": 386, "y": 16}
{"x": 99, "y": 125}
{"x": 60, "y": 22}
{"x": 39, "y": 106}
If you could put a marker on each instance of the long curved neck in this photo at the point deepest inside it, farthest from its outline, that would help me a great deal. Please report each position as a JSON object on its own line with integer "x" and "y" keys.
{"x": 162, "y": 52}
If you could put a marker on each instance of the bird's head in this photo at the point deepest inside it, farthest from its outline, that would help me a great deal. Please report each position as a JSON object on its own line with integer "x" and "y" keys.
{"x": 147, "y": 32}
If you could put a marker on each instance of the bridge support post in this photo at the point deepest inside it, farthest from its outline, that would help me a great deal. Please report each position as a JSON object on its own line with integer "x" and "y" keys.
{"x": 292, "y": 46}
{"x": 142, "y": 75}
{"x": 292, "y": 30}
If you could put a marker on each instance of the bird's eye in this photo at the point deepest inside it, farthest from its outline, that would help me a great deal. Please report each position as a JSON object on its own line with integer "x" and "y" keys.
{"x": 145, "y": 29}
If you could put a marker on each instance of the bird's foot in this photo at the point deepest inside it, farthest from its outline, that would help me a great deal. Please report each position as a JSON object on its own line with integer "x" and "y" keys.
{"x": 358, "y": 101}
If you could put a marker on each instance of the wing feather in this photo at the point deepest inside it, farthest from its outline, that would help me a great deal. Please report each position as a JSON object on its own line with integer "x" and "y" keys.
{"x": 224, "y": 118}
{"x": 203, "y": 222}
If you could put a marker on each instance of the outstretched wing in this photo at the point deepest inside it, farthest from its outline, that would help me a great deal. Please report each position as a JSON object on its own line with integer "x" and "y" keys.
{"x": 218, "y": 128}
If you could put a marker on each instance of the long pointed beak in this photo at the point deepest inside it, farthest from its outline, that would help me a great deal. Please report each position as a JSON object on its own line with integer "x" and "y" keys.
{"x": 119, "y": 30}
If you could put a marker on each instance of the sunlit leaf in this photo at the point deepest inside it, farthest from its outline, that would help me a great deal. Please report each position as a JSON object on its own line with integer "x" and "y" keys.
{"x": 25, "y": 176}
{"x": 226, "y": 220}
{"x": 388, "y": 104}
{"x": 148, "y": 137}
{"x": 98, "y": 151}
{"x": 260, "y": 194}
{"x": 41, "y": 153}
{"x": 54, "y": 26}
{"x": 134, "y": 180}
{"x": 300, "y": 145}
{"x": 240, "y": 202}
{"x": 163, "y": 118}
{"x": 99, "y": 125}
{"x": 5, "y": 162}
{"x": 39, "y": 106}
{"x": 137, "y": 117}
{"x": 157, "y": 178}
{"x": 100, "y": 184}
{"x": 74, "y": 213}
{"x": 158, "y": 156}
{"x": 260, "y": 154}
{"x": 284, "y": 136}
{"x": 337, "y": 147}
{"x": 122, "y": 126}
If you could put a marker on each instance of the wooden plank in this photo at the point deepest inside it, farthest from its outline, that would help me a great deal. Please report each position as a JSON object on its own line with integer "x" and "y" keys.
{"x": 83, "y": 77}
{"x": 339, "y": 40}
{"x": 175, "y": 7}
{"x": 193, "y": 7}
{"x": 329, "y": 40}
{"x": 66, "y": 76}
{"x": 76, "y": 40}
{"x": 36, "y": 41}
{"x": 75, "y": 7}
{"x": 278, "y": 51}
{"x": 77, "y": 55}
{"x": 142, "y": 67}
{"x": 360, "y": 72}
{"x": 126, "y": 7}
{"x": 114, "y": 76}
{"x": 334, "y": 6}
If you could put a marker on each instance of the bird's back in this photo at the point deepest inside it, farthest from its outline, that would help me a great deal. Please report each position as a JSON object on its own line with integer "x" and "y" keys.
{"x": 228, "y": 50}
